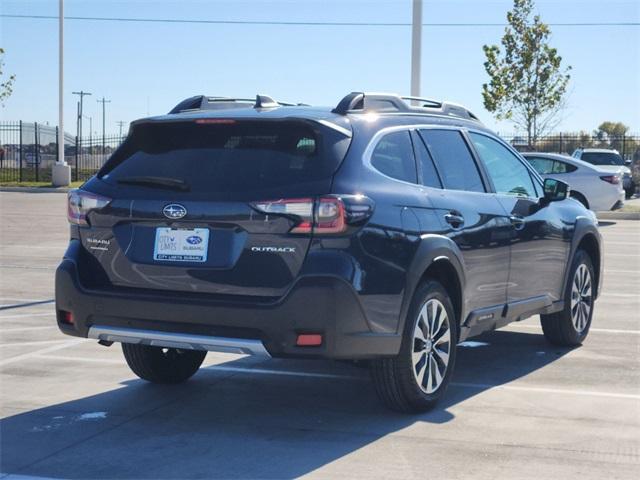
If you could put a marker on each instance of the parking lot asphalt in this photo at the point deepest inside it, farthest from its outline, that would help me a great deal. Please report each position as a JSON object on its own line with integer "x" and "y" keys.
{"x": 517, "y": 408}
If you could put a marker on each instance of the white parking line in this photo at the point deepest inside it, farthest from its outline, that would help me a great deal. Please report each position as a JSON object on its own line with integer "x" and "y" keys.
{"x": 585, "y": 393}
{"x": 82, "y": 359}
{"x": 23, "y": 315}
{"x": 30, "y": 344}
{"x": 25, "y": 329}
{"x": 622, "y": 295}
{"x": 597, "y": 330}
{"x": 25, "y": 356}
{"x": 289, "y": 373}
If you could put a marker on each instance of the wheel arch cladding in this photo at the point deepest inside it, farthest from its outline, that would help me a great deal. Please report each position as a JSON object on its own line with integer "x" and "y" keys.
{"x": 590, "y": 245}
{"x": 438, "y": 258}
{"x": 443, "y": 271}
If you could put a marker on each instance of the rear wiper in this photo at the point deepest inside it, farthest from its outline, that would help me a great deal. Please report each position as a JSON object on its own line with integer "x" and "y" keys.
{"x": 156, "y": 182}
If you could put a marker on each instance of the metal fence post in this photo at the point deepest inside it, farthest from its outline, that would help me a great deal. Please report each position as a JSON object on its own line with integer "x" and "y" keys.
{"x": 560, "y": 143}
{"x": 37, "y": 150}
{"x": 20, "y": 151}
{"x": 78, "y": 144}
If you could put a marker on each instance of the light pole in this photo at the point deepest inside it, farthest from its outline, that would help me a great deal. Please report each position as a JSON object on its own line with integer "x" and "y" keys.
{"x": 60, "y": 172}
{"x": 120, "y": 124}
{"x": 90, "y": 133}
{"x": 82, "y": 95}
{"x": 416, "y": 46}
{"x": 103, "y": 102}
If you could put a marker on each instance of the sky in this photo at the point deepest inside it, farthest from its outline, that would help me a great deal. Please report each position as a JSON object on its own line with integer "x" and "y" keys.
{"x": 147, "y": 68}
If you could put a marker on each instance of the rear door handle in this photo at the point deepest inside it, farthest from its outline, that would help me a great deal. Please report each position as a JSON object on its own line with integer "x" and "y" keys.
{"x": 454, "y": 219}
{"x": 517, "y": 221}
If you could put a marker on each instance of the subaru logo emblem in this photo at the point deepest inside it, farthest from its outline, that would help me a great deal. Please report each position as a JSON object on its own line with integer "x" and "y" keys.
{"x": 174, "y": 211}
{"x": 194, "y": 240}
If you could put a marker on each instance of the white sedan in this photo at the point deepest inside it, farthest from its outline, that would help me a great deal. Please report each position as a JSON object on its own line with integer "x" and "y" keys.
{"x": 596, "y": 188}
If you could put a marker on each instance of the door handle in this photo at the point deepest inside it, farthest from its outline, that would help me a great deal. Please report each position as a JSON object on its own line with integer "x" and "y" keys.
{"x": 517, "y": 221}
{"x": 454, "y": 219}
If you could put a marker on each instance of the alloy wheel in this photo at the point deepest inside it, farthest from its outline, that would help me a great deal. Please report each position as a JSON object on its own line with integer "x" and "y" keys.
{"x": 431, "y": 346}
{"x": 581, "y": 298}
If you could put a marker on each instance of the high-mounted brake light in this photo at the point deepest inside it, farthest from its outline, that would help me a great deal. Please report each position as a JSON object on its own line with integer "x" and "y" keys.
{"x": 328, "y": 218}
{"x": 612, "y": 179}
{"x": 214, "y": 121}
{"x": 80, "y": 203}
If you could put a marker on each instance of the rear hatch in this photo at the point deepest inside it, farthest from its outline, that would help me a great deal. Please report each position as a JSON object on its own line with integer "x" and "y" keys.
{"x": 196, "y": 205}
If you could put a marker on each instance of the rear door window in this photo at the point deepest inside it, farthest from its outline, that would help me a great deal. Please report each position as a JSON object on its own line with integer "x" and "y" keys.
{"x": 454, "y": 160}
{"x": 509, "y": 174}
{"x": 393, "y": 156}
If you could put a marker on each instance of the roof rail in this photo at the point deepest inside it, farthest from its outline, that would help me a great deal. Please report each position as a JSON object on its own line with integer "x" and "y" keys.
{"x": 204, "y": 102}
{"x": 356, "y": 102}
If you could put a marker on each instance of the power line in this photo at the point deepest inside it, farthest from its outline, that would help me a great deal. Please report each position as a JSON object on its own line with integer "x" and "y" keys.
{"x": 312, "y": 24}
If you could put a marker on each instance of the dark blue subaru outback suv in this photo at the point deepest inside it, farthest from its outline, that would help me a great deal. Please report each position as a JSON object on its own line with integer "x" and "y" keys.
{"x": 386, "y": 229}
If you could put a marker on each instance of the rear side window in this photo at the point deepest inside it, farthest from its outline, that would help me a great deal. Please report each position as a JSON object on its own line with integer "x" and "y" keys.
{"x": 455, "y": 163}
{"x": 547, "y": 166}
{"x": 393, "y": 156}
{"x": 543, "y": 166}
{"x": 235, "y": 156}
{"x": 430, "y": 176}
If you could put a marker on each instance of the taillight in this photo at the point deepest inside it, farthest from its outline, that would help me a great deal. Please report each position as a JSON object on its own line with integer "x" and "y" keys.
{"x": 328, "y": 218}
{"x": 301, "y": 208}
{"x": 80, "y": 203}
{"x": 612, "y": 179}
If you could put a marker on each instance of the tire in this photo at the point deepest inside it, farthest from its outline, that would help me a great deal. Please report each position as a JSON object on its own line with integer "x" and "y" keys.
{"x": 162, "y": 365}
{"x": 570, "y": 326}
{"x": 396, "y": 379}
{"x": 579, "y": 197}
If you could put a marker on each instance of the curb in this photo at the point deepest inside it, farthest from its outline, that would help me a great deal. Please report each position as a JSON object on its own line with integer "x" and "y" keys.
{"x": 36, "y": 189}
{"x": 618, "y": 215}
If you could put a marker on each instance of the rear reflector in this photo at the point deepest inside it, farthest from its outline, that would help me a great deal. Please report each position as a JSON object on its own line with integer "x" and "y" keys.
{"x": 309, "y": 340}
{"x": 67, "y": 317}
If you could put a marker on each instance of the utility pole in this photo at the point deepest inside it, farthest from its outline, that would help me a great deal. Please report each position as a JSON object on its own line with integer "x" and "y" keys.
{"x": 103, "y": 102}
{"x": 79, "y": 126}
{"x": 120, "y": 124}
{"x": 60, "y": 172}
{"x": 416, "y": 46}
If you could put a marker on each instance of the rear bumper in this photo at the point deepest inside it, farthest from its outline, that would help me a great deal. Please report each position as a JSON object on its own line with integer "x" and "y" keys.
{"x": 325, "y": 305}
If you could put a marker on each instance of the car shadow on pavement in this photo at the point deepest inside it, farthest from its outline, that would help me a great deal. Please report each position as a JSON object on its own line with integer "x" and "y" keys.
{"x": 231, "y": 422}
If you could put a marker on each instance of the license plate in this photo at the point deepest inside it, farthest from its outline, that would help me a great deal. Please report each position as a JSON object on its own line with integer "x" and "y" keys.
{"x": 181, "y": 244}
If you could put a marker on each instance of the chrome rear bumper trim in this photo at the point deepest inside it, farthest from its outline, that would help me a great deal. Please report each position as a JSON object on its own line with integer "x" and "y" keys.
{"x": 182, "y": 341}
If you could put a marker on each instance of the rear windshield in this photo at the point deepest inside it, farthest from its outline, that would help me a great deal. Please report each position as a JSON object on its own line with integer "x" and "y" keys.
{"x": 238, "y": 156}
{"x": 602, "y": 158}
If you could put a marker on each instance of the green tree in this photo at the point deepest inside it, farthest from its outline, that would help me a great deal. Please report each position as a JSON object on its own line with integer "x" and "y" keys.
{"x": 611, "y": 130}
{"x": 527, "y": 83}
{"x": 6, "y": 87}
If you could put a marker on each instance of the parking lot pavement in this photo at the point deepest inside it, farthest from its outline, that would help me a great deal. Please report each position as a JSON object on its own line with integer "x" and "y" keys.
{"x": 517, "y": 408}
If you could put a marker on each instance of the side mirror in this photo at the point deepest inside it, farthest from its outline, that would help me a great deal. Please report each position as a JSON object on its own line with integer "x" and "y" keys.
{"x": 555, "y": 190}
{"x": 628, "y": 162}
